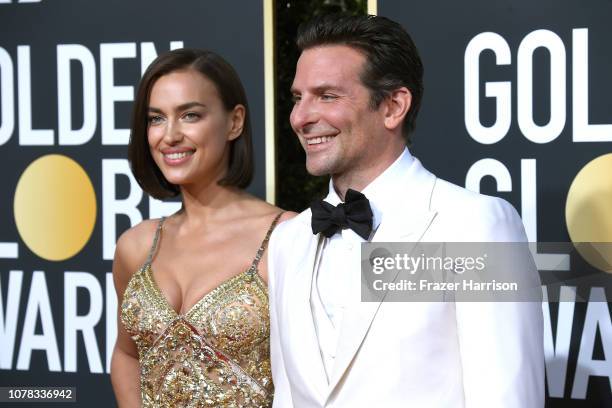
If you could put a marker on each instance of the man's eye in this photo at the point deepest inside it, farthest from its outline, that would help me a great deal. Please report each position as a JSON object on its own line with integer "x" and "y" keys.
{"x": 328, "y": 97}
{"x": 296, "y": 98}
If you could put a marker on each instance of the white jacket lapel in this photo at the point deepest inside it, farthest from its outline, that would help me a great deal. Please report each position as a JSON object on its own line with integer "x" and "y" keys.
{"x": 406, "y": 223}
{"x": 303, "y": 340}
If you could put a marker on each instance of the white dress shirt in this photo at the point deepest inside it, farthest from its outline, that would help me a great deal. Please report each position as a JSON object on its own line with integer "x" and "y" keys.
{"x": 340, "y": 263}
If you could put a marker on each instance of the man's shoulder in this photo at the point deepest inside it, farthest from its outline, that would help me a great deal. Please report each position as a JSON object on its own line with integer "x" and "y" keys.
{"x": 289, "y": 241}
{"x": 292, "y": 228}
{"x": 300, "y": 221}
{"x": 476, "y": 216}
{"x": 427, "y": 190}
{"x": 449, "y": 197}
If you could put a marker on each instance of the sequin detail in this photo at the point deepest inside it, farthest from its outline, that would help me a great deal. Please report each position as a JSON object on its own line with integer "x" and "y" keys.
{"x": 215, "y": 355}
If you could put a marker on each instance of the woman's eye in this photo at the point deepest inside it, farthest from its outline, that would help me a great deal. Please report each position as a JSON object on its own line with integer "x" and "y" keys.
{"x": 154, "y": 120}
{"x": 191, "y": 116}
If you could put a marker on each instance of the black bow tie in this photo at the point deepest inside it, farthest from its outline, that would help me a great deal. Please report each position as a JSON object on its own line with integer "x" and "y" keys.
{"x": 355, "y": 213}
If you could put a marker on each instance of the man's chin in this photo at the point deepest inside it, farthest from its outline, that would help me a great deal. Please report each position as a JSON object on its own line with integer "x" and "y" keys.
{"x": 317, "y": 169}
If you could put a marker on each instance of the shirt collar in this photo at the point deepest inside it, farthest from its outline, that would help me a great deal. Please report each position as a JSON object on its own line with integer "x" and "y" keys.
{"x": 382, "y": 190}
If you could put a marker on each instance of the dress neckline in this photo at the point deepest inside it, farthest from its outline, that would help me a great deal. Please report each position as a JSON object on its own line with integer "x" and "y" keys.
{"x": 148, "y": 271}
{"x": 250, "y": 273}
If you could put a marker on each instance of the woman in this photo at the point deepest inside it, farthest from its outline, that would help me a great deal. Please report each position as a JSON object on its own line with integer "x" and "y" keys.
{"x": 193, "y": 318}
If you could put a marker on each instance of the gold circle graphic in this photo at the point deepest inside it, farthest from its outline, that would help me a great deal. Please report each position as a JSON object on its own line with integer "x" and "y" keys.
{"x": 55, "y": 207}
{"x": 588, "y": 212}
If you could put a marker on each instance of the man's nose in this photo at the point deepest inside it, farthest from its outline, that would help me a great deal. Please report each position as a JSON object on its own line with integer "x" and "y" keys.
{"x": 304, "y": 113}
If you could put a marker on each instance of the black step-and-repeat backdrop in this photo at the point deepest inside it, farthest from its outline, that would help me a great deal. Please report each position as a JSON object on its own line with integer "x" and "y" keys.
{"x": 68, "y": 74}
{"x": 517, "y": 105}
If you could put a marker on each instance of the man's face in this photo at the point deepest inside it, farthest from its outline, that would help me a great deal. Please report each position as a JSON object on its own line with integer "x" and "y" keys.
{"x": 332, "y": 116}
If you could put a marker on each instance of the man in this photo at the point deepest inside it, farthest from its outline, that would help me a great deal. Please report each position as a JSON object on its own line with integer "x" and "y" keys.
{"x": 357, "y": 91}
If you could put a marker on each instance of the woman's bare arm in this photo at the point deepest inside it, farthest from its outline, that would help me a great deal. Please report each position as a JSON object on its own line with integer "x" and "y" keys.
{"x": 125, "y": 367}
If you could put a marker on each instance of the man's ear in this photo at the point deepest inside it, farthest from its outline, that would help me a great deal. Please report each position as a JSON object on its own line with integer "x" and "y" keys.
{"x": 397, "y": 105}
{"x": 236, "y": 122}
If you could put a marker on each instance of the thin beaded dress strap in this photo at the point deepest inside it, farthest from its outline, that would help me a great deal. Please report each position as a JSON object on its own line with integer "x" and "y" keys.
{"x": 262, "y": 247}
{"x": 154, "y": 246}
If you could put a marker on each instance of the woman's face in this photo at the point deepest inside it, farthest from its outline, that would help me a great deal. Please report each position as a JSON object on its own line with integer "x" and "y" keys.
{"x": 189, "y": 129}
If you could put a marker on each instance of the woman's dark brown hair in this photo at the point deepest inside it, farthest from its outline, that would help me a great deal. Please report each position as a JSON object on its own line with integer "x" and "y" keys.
{"x": 226, "y": 80}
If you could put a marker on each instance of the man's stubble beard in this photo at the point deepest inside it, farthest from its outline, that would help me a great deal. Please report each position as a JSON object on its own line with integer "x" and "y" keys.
{"x": 322, "y": 166}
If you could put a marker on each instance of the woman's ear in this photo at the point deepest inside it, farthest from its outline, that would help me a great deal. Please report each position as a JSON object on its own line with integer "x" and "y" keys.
{"x": 397, "y": 105}
{"x": 236, "y": 122}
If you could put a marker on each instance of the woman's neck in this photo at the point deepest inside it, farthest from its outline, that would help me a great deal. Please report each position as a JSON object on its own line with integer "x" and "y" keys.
{"x": 207, "y": 203}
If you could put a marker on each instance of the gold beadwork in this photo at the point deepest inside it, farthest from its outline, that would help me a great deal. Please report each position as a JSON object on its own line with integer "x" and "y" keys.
{"x": 215, "y": 355}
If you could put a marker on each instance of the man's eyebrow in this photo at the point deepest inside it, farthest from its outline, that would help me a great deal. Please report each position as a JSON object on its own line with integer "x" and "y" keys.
{"x": 325, "y": 87}
{"x": 182, "y": 107}
{"x": 319, "y": 89}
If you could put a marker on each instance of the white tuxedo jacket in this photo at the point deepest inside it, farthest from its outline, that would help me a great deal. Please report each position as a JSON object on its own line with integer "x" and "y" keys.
{"x": 422, "y": 355}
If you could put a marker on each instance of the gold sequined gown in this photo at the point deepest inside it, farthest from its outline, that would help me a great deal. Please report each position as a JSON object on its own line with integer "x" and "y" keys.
{"x": 215, "y": 355}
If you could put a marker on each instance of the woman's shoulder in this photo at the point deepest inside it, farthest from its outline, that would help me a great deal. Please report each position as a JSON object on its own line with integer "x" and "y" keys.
{"x": 261, "y": 208}
{"x": 260, "y": 217}
{"x": 133, "y": 246}
{"x": 272, "y": 216}
{"x": 286, "y": 215}
{"x": 139, "y": 236}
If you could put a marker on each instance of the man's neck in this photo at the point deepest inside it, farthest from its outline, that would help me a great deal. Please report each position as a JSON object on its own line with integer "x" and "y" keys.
{"x": 358, "y": 180}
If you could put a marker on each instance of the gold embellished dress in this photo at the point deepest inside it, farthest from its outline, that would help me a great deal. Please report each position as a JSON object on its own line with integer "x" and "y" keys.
{"x": 215, "y": 355}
